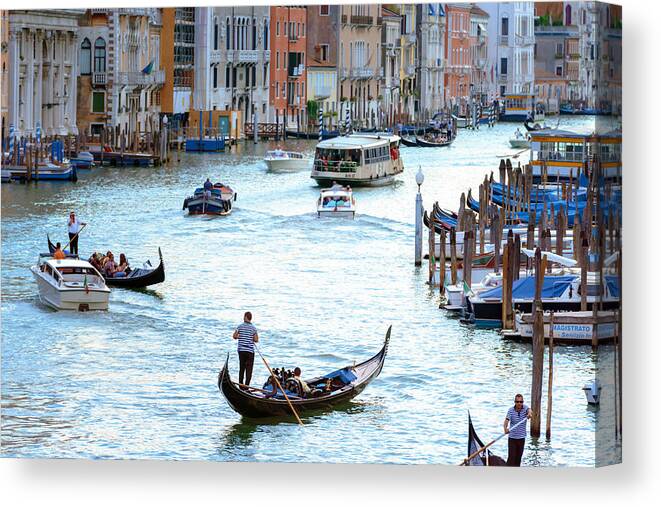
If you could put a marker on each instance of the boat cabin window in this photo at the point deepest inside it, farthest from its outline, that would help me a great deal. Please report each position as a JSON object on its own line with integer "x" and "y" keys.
{"x": 327, "y": 159}
{"x": 378, "y": 154}
{"x": 561, "y": 151}
{"x": 77, "y": 271}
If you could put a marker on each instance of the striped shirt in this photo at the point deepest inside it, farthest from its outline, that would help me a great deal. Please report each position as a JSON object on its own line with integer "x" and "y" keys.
{"x": 514, "y": 416}
{"x": 246, "y": 334}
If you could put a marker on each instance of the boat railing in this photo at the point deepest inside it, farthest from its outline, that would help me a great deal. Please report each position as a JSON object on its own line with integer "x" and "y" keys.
{"x": 342, "y": 166}
{"x": 560, "y": 156}
{"x": 381, "y": 158}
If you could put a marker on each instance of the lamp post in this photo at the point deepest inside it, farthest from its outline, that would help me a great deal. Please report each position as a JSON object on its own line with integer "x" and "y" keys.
{"x": 419, "y": 179}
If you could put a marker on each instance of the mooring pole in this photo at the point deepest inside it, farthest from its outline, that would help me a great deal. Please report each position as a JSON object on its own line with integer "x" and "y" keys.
{"x": 419, "y": 179}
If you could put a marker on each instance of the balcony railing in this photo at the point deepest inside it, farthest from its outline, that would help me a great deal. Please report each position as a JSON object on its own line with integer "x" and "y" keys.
{"x": 409, "y": 38}
{"x": 560, "y": 156}
{"x": 362, "y": 20}
{"x": 362, "y": 73}
{"x": 141, "y": 79}
{"x": 344, "y": 73}
{"x": 99, "y": 79}
{"x": 393, "y": 82}
{"x": 504, "y": 40}
{"x": 409, "y": 70}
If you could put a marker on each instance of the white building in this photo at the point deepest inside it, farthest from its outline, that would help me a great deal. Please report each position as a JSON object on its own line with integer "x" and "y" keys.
{"x": 431, "y": 51}
{"x": 511, "y": 47}
{"x": 391, "y": 33}
{"x": 42, "y": 63}
{"x": 232, "y": 60}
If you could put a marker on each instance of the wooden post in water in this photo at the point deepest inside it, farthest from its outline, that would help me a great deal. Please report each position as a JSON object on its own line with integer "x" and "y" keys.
{"x": 432, "y": 248}
{"x": 549, "y": 394}
{"x": 441, "y": 273}
{"x": 501, "y": 171}
{"x": 509, "y": 256}
{"x": 537, "y": 346}
{"x": 468, "y": 256}
{"x": 453, "y": 256}
{"x": 585, "y": 265}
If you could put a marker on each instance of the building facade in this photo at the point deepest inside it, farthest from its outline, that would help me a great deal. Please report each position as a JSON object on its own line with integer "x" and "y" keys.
{"x": 511, "y": 46}
{"x": 288, "y": 95}
{"x": 4, "y": 53}
{"x": 457, "y": 53}
{"x": 42, "y": 65}
{"x": 321, "y": 62}
{"x": 430, "y": 19}
{"x": 391, "y": 37}
{"x": 360, "y": 70}
{"x": 478, "y": 35}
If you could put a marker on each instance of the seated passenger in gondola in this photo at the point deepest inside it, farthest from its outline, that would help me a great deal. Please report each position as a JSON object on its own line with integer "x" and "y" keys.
{"x": 305, "y": 388}
{"x": 110, "y": 267}
{"x": 123, "y": 267}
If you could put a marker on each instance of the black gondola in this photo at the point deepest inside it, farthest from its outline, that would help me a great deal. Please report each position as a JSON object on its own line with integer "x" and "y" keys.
{"x": 428, "y": 144}
{"x": 409, "y": 141}
{"x": 345, "y": 384}
{"x": 486, "y": 457}
{"x": 534, "y": 128}
{"x": 138, "y": 278}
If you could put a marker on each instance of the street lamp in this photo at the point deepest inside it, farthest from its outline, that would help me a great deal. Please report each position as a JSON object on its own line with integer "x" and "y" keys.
{"x": 419, "y": 178}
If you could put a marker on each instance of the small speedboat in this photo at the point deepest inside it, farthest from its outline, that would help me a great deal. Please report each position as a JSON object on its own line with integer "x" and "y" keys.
{"x": 520, "y": 141}
{"x": 84, "y": 160}
{"x": 337, "y": 201}
{"x": 592, "y": 391}
{"x": 217, "y": 201}
{"x": 286, "y": 161}
{"x": 70, "y": 284}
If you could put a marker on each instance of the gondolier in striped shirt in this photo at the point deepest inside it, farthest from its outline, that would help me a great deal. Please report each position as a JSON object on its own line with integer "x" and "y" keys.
{"x": 517, "y": 437}
{"x": 247, "y": 336}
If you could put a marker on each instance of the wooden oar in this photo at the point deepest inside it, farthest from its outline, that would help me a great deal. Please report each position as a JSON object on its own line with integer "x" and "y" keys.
{"x": 516, "y": 155}
{"x": 81, "y": 230}
{"x": 490, "y": 443}
{"x": 279, "y": 386}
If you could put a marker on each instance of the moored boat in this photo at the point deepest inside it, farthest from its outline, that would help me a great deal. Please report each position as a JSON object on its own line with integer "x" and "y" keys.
{"x": 279, "y": 160}
{"x": 47, "y": 171}
{"x": 336, "y": 202}
{"x": 327, "y": 391}
{"x": 410, "y": 141}
{"x": 217, "y": 201}
{"x": 70, "y": 284}
{"x": 483, "y": 458}
{"x": 358, "y": 160}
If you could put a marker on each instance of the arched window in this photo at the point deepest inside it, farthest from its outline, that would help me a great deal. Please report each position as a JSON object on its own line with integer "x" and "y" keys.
{"x": 254, "y": 34}
{"x": 100, "y": 55}
{"x": 266, "y": 33}
{"x": 228, "y": 33}
{"x": 85, "y": 61}
{"x": 215, "y": 33}
{"x": 568, "y": 15}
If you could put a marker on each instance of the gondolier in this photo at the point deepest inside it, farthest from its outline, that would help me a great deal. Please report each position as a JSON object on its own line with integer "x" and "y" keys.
{"x": 74, "y": 226}
{"x": 517, "y": 437}
{"x": 247, "y": 336}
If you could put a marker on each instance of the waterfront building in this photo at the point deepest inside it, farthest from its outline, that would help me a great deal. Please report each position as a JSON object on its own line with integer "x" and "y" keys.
{"x": 42, "y": 65}
{"x": 231, "y": 85}
{"x": 359, "y": 63}
{"x": 288, "y": 95}
{"x": 119, "y": 74}
{"x": 511, "y": 43}
{"x": 430, "y": 19}
{"x": 321, "y": 63}
{"x": 177, "y": 54}
{"x": 4, "y": 52}
{"x": 409, "y": 93}
{"x": 457, "y": 53}
{"x": 478, "y": 36}
{"x": 391, "y": 56}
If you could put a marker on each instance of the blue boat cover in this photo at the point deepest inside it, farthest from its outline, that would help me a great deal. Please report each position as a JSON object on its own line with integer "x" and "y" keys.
{"x": 524, "y": 288}
{"x": 345, "y": 375}
{"x": 613, "y": 284}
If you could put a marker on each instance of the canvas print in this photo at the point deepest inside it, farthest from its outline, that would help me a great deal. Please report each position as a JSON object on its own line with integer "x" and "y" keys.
{"x": 375, "y": 233}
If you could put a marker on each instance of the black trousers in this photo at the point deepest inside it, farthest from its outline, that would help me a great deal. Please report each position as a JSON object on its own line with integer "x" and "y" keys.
{"x": 246, "y": 360}
{"x": 515, "y": 451}
{"x": 73, "y": 243}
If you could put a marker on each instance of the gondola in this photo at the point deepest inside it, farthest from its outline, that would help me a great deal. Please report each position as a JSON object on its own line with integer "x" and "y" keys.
{"x": 486, "y": 457}
{"x": 346, "y": 383}
{"x": 138, "y": 278}
{"x": 428, "y": 144}
{"x": 409, "y": 141}
{"x": 534, "y": 128}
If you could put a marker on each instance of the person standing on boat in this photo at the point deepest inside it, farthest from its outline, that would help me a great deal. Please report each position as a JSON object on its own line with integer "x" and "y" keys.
{"x": 74, "y": 225}
{"x": 247, "y": 335}
{"x": 517, "y": 437}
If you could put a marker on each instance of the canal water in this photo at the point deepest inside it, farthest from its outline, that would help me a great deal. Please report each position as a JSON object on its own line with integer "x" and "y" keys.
{"x": 139, "y": 381}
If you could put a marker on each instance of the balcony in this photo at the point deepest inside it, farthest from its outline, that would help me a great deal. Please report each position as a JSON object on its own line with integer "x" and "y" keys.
{"x": 361, "y": 20}
{"x": 140, "y": 79}
{"x": 133, "y": 12}
{"x": 504, "y": 40}
{"x": 409, "y": 39}
{"x": 502, "y": 78}
{"x": 99, "y": 79}
{"x": 393, "y": 82}
{"x": 296, "y": 71}
{"x": 344, "y": 73}
{"x": 362, "y": 73}
{"x": 409, "y": 70}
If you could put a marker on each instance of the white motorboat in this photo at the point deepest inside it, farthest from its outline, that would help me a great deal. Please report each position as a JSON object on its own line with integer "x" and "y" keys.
{"x": 70, "y": 284}
{"x": 520, "y": 141}
{"x": 358, "y": 160}
{"x": 286, "y": 161}
{"x": 336, "y": 201}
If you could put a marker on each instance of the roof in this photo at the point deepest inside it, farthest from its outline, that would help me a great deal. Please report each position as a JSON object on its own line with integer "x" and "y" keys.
{"x": 479, "y": 12}
{"x": 355, "y": 141}
{"x": 68, "y": 263}
{"x": 556, "y": 133}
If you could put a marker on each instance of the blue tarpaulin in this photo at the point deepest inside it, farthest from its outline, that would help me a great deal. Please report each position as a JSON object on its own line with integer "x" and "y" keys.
{"x": 345, "y": 375}
{"x": 613, "y": 285}
{"x": 553, "y": 287}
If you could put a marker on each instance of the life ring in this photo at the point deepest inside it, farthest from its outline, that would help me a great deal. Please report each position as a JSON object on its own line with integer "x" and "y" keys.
{"x": 294, "y": 385}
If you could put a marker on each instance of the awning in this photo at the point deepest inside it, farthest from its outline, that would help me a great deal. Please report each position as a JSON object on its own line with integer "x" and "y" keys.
{"x": 481, "y": 26}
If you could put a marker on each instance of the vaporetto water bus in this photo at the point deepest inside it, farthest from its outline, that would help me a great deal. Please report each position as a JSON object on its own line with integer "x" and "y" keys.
{"x": 358, "y": 160}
